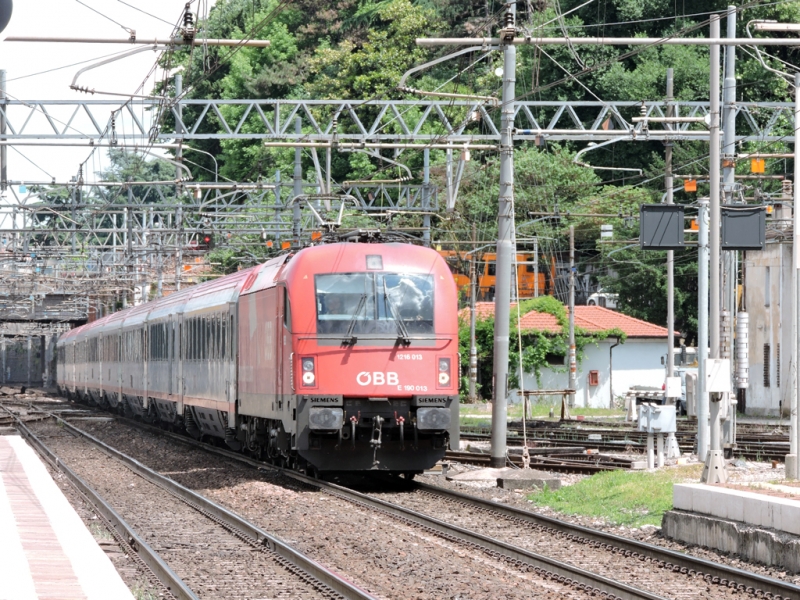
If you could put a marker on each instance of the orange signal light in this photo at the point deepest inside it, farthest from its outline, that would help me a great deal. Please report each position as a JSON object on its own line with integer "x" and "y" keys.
{"x": 269, "y": 243}
{"x": 316, "y": 235}
{"x": 286, "y": 245}
{"x": 694, "y": 225}
{"x": 757, "y": 165}
{"x": 690, "y": 185}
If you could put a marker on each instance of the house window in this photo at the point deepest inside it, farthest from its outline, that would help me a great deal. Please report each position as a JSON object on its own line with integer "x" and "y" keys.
{"x": 766, "y": 365}
{"x": 557, "y": 360}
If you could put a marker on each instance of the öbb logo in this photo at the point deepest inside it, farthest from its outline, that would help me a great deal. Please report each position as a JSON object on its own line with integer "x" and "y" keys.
{"x": 377, "y": 378}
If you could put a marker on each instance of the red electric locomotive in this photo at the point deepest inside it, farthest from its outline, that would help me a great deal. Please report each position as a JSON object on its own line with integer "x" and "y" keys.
{"x": 344, "y": 358}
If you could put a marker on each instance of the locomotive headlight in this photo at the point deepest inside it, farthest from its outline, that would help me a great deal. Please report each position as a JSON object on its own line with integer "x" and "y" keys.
{"x": 444, "y": 372}
{"x": 309, "y": 376}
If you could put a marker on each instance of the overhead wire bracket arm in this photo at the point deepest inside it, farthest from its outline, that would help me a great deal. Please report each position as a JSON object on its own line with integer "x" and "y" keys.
{"x": 403, "y": 88}
{"x": 74, "y": 85}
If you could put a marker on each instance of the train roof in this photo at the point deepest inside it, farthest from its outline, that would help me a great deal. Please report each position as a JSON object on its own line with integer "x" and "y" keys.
{"x": 215, "y": 295}
{"x": 205, "y": 297}
{"x": 347, "y": 257}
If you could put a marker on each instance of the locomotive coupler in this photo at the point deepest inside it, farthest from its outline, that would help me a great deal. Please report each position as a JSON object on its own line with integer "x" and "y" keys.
{"x": 400, "y": 421}
{"x": 353, "y": 423}
{"x": 377, "y": 430}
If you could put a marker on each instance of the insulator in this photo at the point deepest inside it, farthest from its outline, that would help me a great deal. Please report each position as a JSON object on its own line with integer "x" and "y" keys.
{"x": 509, "y": 20}
{"x": 787, "y": 189}
{"x": 725, "y": 334}
{"x": 188, "y": 20}
{"x": 643, "y": 110}
{"x": 742, "y": 353}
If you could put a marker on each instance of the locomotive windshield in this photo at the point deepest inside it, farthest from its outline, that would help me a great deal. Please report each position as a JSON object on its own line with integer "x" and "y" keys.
{"x": 390, "y": 303}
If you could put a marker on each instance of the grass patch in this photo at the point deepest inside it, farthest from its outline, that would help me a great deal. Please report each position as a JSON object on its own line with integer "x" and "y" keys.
{"x": 630, "y": 498}
{"x": 142, "y": 590}
{"x": 99, "y": 532}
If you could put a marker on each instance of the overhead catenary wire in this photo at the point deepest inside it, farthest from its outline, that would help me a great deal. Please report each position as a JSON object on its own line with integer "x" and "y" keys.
{"x": 105, "y": 16}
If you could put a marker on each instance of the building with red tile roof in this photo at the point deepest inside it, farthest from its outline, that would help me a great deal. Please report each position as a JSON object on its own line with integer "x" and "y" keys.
{"x": 591, "y": 319}
{"x": 608, "y": 368}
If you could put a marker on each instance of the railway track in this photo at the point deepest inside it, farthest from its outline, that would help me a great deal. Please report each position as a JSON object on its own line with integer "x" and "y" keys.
{"x": 526, "y": 574}
{"x": 194, "y": 546}
{"x": 752, "y": 445}
{"x": 650, "y": 566}
{"x": 575, "y": 460}
{"x": 514, "y": 534}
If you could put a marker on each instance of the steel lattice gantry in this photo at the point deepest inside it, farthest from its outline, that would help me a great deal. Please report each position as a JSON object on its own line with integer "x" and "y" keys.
{"x": 421, "y": 121}
{"x": 115, "y": 247}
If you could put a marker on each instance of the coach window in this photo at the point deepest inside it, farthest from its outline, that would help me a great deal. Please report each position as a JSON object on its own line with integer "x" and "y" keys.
{"x": 223, "y": 338}
{"x": 216, "y": 336}
{"x": 212, "y": 337}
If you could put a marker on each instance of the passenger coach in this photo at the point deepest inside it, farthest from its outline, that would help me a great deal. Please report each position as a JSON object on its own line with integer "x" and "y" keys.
{"x": 341, "y": 357}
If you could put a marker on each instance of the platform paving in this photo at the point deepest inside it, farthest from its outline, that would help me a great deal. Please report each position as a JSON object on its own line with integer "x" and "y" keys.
{"x": 46, "y": 551}
{"x": 762, "y": 528}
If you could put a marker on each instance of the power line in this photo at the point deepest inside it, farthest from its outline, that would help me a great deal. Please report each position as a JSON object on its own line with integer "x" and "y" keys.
{"x": 67, "y": 66}
{"x": 143, "y": 12}
{"x": 128, "y": 29}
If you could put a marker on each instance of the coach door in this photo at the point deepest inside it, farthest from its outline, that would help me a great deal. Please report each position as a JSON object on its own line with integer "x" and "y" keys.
{"x": 170, "y": 356}
{"x": 178, "y": 352}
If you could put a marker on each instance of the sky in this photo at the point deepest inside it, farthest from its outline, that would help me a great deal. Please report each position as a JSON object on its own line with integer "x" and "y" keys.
{"x": 74, "y": 19}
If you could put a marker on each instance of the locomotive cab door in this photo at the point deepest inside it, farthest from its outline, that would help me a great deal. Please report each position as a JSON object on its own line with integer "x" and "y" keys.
{"x": 284, "y": 359}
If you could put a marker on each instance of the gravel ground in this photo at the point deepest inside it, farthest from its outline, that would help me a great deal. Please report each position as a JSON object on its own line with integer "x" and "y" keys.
{"x": 386, "y": 557}
{"x": 141, "y": 583}
{"x": 738, "y": 472}
{"x": 207, "y": 557}
{"x": 260, "y": 498}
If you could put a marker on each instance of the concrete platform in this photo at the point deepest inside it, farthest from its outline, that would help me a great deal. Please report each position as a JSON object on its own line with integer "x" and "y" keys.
{"x": 511, "y": 479}
{"x": 759, "y": 527}
{"x": 46, "y": 550}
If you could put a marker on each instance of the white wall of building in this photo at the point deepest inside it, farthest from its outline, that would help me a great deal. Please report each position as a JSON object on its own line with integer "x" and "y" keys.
{"x": 635, "y": 362}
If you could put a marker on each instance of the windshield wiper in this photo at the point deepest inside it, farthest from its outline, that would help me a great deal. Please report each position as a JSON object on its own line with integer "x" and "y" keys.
{"x": 404, "y": 337}
{"x": 349, "y": 338}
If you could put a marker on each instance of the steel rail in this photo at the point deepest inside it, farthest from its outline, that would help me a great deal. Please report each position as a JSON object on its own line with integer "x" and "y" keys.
{"x": 777, "y": 588}
{"x": 323, "y": 575}
{"x": 150, "y": 557}
{"x": 563, "y": 572}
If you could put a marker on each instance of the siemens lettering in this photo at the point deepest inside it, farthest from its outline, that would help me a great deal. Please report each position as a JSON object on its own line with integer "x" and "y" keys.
{"x": 377, "y": 378}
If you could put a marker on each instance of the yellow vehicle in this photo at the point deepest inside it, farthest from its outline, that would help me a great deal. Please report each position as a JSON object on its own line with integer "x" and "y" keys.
{"x": 459, "y": 264}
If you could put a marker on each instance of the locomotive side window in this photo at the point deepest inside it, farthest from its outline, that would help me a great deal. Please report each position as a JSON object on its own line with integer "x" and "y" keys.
{"x": 287, "y": 310}
{"x": 374, "y": 303}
